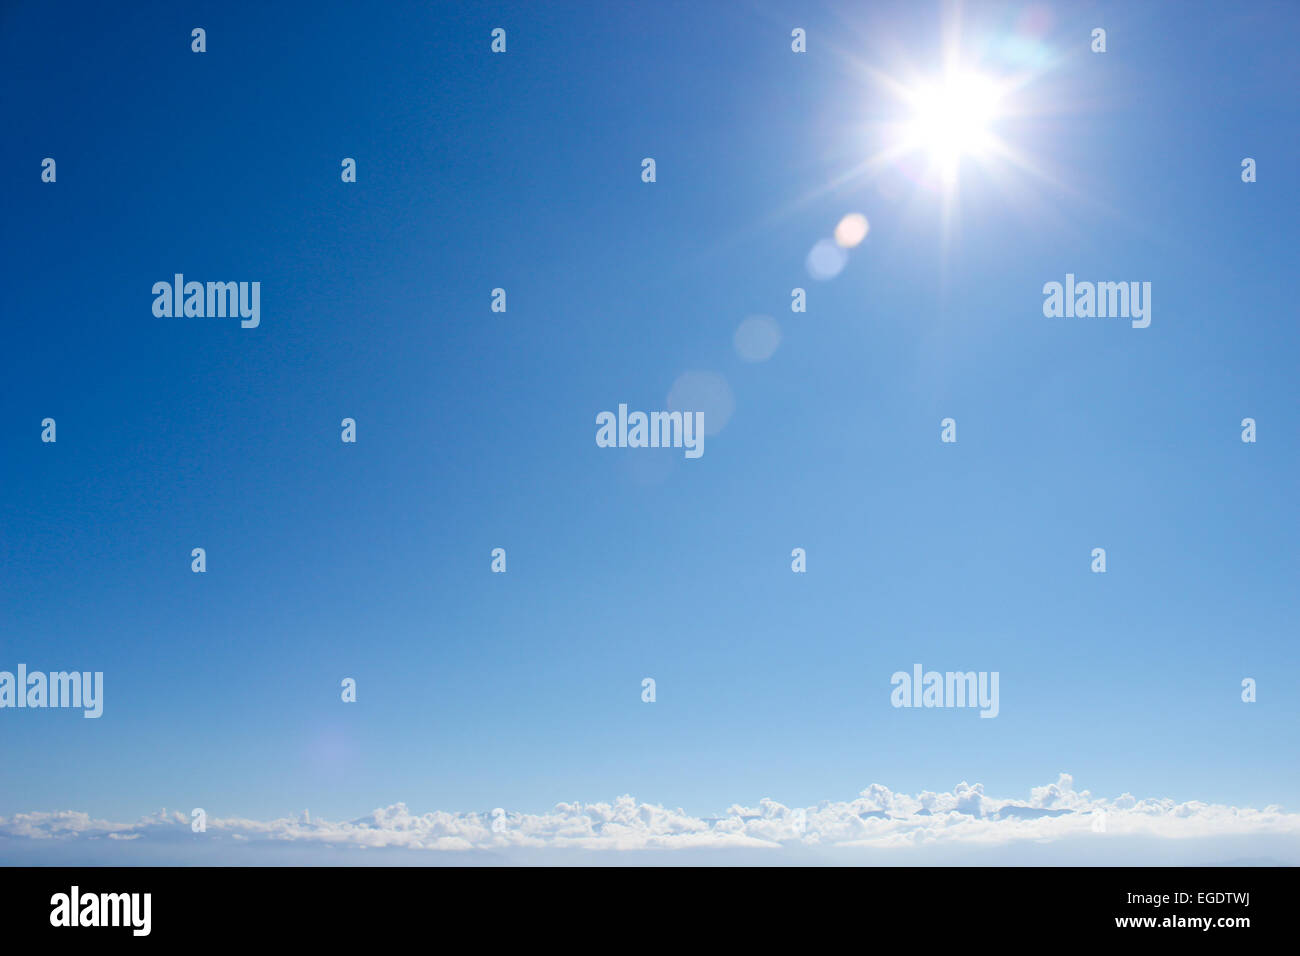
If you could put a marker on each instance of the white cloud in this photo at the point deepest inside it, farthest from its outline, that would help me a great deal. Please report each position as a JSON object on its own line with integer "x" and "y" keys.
{"x": 877, "y": 818}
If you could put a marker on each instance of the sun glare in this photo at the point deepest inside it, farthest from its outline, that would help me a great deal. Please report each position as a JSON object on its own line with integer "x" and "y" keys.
{"x": 957, "y": 126}
{"x": 952, "y": 119}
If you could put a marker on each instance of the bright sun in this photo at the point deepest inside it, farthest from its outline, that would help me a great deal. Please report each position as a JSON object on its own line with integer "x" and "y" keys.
{"x": 932, "y": 126}
{"x": 951, "y": 119}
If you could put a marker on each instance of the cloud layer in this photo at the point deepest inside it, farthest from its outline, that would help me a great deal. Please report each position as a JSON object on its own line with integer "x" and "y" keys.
{"x": 877, "y": 819}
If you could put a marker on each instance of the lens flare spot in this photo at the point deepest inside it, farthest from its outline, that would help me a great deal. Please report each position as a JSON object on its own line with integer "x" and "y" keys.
{"x": 757, "y": 338}
{"x": 826, "y": 260}
{"x": 707, "y": 392}
{"x": 851, "y": 230}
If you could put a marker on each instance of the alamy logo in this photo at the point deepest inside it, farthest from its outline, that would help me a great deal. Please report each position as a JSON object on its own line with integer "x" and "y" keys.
{"x": 656, "y": 430}
{"x": 103, "y": 909}
{"x": 56, "y": 689}
{"x": 1105, "y": 300}
{"x": 198, "y": 300}
{"x": 950, "y": 689}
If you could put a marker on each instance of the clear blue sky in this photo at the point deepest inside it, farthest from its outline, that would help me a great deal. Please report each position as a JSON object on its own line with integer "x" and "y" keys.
{"x": 476, "y": 430}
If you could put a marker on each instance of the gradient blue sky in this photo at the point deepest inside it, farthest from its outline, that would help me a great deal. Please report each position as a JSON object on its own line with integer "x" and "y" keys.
{"x": 476, "y": 430}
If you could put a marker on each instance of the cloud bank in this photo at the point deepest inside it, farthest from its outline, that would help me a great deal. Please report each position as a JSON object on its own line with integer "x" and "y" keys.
{"x": 965, "y": 818}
